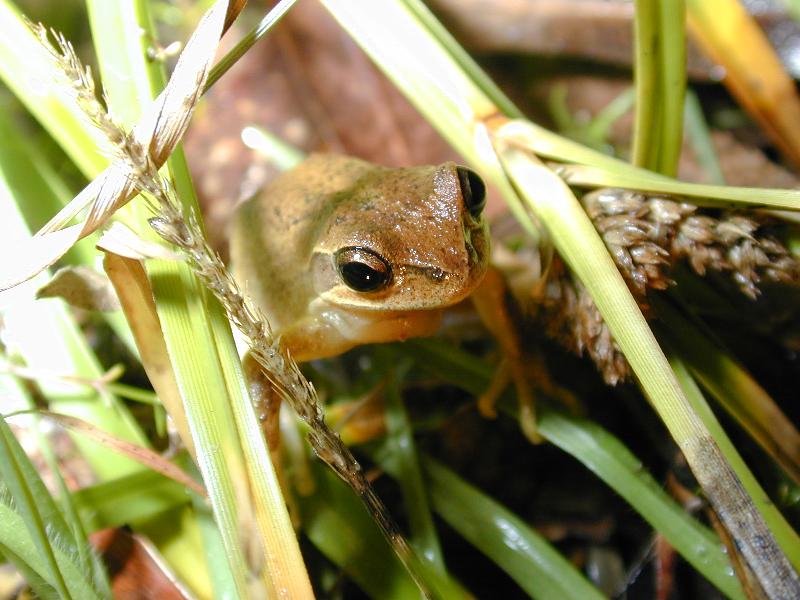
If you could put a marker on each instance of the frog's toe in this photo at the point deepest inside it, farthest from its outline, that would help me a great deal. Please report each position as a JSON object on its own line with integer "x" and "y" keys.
{"x": 507, "y": 371}
{"x": 527, "y": 408}
{"x": 487, "y": 401}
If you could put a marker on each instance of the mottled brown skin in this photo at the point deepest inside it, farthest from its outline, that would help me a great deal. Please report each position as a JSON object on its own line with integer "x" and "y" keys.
{"x": 284, "y": 240}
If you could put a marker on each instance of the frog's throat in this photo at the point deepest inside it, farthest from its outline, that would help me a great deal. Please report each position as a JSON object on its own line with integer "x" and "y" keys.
{"x": 329, "y": 331}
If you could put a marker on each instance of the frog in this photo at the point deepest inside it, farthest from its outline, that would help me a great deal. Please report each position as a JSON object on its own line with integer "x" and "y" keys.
{"x": 339, "y": 252}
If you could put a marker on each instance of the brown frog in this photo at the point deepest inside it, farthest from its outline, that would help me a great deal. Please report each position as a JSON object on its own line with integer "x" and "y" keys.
{"x": 339, "y": 252}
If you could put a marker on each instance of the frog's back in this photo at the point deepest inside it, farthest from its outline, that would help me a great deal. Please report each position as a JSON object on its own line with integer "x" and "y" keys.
{"x": 274, "y": 233}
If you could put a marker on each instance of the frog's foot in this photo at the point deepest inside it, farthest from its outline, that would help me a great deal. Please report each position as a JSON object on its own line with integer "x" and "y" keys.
{"x": 487, "y": 401}
{"x": 507, "y": 371}
{"x": 362, "y": 420}
{"x": 489, "y": 301}
{"x": 526, "y": 371}
{"x": 527, "y": 405}
{"x": 531, "y": 378}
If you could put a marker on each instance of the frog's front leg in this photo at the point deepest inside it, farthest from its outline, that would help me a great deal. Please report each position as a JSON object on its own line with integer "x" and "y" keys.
{"x": 490, "y": 302}
{"x": 328, "y": 331}
{"x": 265, "y": 398}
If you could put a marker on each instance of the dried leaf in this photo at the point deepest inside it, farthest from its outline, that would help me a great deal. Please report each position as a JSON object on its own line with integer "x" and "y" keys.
{"x": 135, "y": 566}
{"x": 81, "y": 287}
{"x": 134, "y": 292}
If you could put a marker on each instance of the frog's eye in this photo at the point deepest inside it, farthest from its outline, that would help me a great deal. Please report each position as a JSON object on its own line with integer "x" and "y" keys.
{"x": 472, "y": 189}
{"x": 362, "y": 269}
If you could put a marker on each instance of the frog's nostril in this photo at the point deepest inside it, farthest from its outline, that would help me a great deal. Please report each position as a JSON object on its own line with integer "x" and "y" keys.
{"x": 472, "y": 189}
{"x": 436, "y": 274}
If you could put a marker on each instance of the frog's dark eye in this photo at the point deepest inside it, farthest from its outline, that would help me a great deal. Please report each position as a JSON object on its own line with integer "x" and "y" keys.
{"x": 472, "y": 189}
{"x": 362, "y": 269}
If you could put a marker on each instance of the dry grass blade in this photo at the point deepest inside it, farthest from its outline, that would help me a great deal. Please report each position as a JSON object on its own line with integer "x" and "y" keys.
{"x": 159, "y": 130}
{"x": 136, "y": 297}
{"x": 142, "y": 455}
{"x": 753, "y": 71}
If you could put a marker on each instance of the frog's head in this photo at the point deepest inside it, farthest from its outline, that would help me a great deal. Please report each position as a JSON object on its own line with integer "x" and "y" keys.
{"x": 403, "y": 240}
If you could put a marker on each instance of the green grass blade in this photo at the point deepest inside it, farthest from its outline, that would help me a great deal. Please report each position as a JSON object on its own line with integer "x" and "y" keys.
{"x": 128, "y": 500}
{"x": 660, "y": 76}
{"x": 733, "y": 387}
{"x": 400, "y": 445}
{"x": 248, "y": 41}
{"x": 701, "y": 194}
{"x": 525, "y": 555}
{"x": 581, "y": 247}
{"x": 604, "y": 455}
{"x": 646, "y": 129}
{"x": 44, "y": 524}
{"x": 40, "y": 587}
{"x": 672, "y": 71}
{"x": 17, "y": 477}
{"x": 120, "y": 50}
{"x": 21, "y": 56}
{"x": 337, "y": 523}
{"x": 88, "y": 560}
{"x": 231, "y": 452}
{"x": 462, "y": 58}
{"x": 700, "y": 138}
{"x": 218, "y": 571}
{"x": 599, "y": 128}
